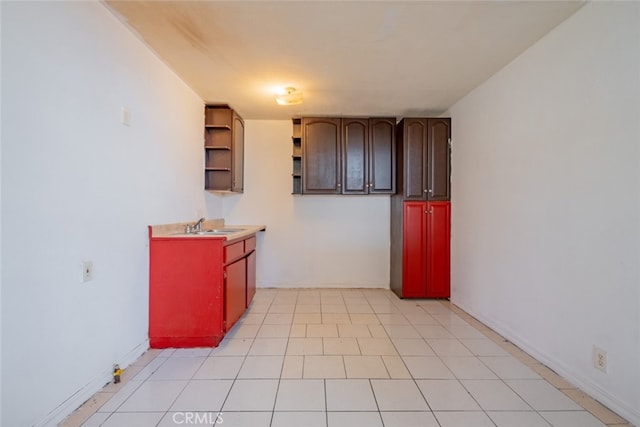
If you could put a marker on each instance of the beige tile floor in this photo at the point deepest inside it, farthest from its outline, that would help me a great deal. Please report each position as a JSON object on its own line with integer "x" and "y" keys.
{"x": 348, "y": 357}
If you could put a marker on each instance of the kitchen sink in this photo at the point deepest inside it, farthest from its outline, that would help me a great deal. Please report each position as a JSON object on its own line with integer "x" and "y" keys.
{"x": 220, "y": 231}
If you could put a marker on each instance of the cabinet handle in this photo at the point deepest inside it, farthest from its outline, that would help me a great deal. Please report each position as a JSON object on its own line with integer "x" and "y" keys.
{"x": 429, "y": 212}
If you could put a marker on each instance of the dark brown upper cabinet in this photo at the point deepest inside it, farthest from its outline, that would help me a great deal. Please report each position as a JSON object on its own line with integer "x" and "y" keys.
{"x": 344, "y": 155}
{"x": 321, "y": 138}
{"x": 424, "y": 155}
{"x": 224, "y": 149}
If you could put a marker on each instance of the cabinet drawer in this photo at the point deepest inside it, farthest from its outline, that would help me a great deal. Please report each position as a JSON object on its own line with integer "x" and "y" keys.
{"x": 233, "y": 251}
{"x": 250, "y": 244}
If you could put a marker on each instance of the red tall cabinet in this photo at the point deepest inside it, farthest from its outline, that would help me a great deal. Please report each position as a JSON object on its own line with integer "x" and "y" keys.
{"x": 421, "y": 210}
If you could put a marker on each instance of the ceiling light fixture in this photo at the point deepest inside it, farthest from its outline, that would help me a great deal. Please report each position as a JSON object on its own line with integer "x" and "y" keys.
{"x": 290, "y": 97}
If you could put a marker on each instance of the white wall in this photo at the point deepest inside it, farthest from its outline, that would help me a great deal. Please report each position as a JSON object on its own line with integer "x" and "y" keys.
{"x": 78, "y": 185}
{"x": 311, "y": 241}
{"x": 546, "y": 188}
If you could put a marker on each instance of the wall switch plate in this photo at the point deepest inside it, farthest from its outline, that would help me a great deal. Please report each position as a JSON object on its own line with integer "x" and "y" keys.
{"x": 599, "y": 359}
{"x": 87, "y": 271}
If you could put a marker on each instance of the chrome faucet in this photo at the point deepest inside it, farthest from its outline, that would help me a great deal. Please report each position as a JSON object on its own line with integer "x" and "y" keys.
{"x": 195, "y": 227}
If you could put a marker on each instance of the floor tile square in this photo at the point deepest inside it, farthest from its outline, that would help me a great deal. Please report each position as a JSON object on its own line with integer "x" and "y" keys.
{"x": 298, "y": 330}
{"x": 323, "y": 367}
{"x": 363, "y": 318}
{"x": 333, "y": 308}
{"x": 192, "y": 352}
{"x": 433, "y": 331}
{"x": 202, "y": 395}
{"x": 377, "y": 347}
{"x": 273, "y": 331}
{"x": 268, "y": 347}
{"x": 354, "y": 419}
{"x": 261, "y": 367}
{"x": 245, "y": 419}
{"x": 412, "y": 347}
{"x": 542, "y": 396}
{"x": 217, "y": 368}
{"x": 427, "y": 367}
{"x": 353, "y": 331}
{"x": 571, "y": 419}
{"x": 495, "y": 395}
{"x": 151, "y": 367}
{"x": 483, "y": 347}
{"x": 178, "y": 368}
{"x": 304, "y": 346}
{"x": 350, "y": 395}
{"x": 96, "y": 420}
{"x": 340, "y": 346}
{"x": 308, "y": 308}
{"x": 138, "y": 419}
{"x": 281, "y": 308}
{"x": 421, "y": 319}
{"x": 299, "y": 419}
{"x": 365, "y": 367}
{"x": 447, "y": 395}
{"x": 120, "y": 396}
{"x": 322, "y": 330}
{"x": 508, "y": 367}
{"x": 409, "y": 419}
{"x": 153, "y": 396}
{"x": 396, "y": 367}
{"x": 517, "y": 418}
{"x": 233, "y": 347}
{"x": 240, "y": 330}
{"x": 463, "y": 419}
{"x": 301, "y": 317}
{"x": 448, "y": 347}
{"x": 292, "y": 367}
{"x": 251, "y": 395}
{"x": 468, "y": 368}
{"x": 252, "y": 318}
{"x": 392, "y": 319}
{"x": 359, "y": 309}
{"x": 336, "y": 318}
{"x": 461, "y": 331}
{"x": 300, "y": 395}
{"x": 401, "y": 331}
{"x": 278, "y": 319}
{"x": 377, "y": 331}
{"x": 398, "y": 395}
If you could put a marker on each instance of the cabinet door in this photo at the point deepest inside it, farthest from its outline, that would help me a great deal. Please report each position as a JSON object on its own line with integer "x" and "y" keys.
{"x": 355, "y": 150}
{"x": 235, "y": 299}
{"x": 382, "y": 163}
{"x": 237, "y": 184}
{"x": 439, "y": 159}
{"x": 415, "y": 157}
{"x": 251, "y": 277}
{"x": 321, "y": 156}
{"x": 438, "y": 249}
{"x": 414, "y": 248}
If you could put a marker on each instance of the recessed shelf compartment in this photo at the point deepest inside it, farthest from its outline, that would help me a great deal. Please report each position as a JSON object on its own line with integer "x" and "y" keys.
{"x": 224, "y": 149}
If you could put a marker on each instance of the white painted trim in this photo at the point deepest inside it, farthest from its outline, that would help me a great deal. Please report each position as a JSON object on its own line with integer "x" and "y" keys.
{"x": 78, "y": 398}
{"x": 585, "y": 384}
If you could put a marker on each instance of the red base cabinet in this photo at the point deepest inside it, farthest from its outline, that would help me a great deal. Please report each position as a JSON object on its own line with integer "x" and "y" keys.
{"x": 420, "y": 249}
{"x": 197, "y": 289}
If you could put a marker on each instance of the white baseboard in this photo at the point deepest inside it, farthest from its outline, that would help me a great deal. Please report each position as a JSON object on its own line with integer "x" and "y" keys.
{"x": 78, "y": 398}
{"x": 585, "y": 384}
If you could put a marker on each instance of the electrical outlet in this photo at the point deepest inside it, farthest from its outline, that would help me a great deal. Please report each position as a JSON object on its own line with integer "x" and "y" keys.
{"x": 599, "y": 359}
{"x": 87, "y": 271}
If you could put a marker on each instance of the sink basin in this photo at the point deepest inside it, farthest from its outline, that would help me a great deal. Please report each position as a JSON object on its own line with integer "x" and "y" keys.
{"x": 220, "y": 231}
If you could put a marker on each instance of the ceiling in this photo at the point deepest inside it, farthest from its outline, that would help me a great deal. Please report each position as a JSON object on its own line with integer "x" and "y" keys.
{"x": 349, "y": 58}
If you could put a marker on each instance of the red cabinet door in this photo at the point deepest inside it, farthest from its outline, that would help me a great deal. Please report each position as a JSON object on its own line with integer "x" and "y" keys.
{"x": 426, "y": 250}
{"x": 185, "y": 293}
{"x": 414, "y": 280}
{"x": 251, "y": 277}
{"x": 438, "y": 262}
{"x": 235, "y": 292}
